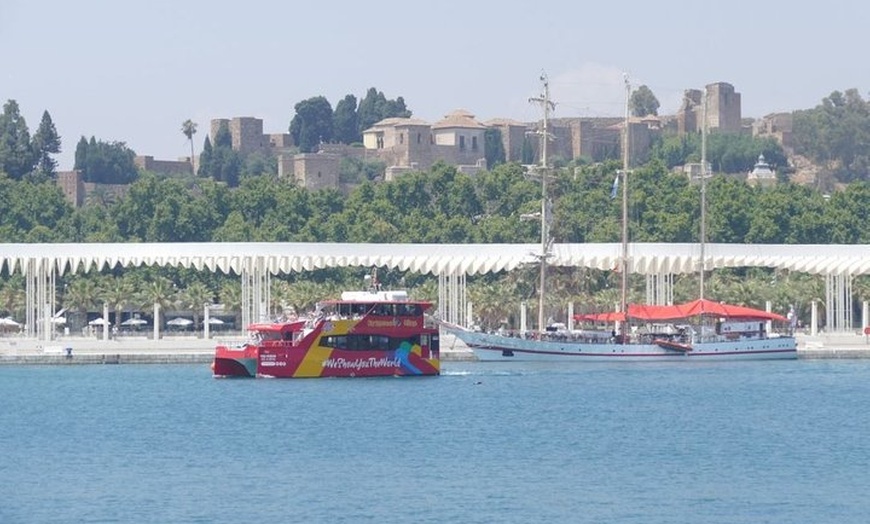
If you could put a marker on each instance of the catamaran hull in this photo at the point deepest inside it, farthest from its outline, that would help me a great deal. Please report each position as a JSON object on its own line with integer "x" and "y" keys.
{"x": 489, "y": 347}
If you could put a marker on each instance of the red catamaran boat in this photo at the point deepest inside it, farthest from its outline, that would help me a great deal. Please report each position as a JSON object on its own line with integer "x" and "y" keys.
{"x": 365, "y": 334}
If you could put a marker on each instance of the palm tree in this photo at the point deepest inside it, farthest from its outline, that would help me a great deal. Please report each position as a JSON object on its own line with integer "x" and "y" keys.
{"x": 188, "y": 127}
{"x": 13, "y": 298}
{"x": 195, "y": 296}
{"x": 160, "y": 291}
{"x": 118, "y": 293}
{"x": 81, "y": 294}
{"x": 230, "y": 295}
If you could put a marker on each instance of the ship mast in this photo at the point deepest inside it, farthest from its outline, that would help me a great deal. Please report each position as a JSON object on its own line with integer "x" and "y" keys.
{"x": 547, "y": 105}
{"x": 623, "y": 263}
{"x": 703, "y": 233}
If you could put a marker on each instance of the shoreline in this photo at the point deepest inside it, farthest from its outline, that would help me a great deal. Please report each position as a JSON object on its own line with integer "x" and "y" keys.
{"x": 193, "y": 350}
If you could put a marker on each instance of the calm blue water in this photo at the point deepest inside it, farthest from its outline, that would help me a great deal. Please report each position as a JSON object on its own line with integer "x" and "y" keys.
{"x": 502, "y": 442}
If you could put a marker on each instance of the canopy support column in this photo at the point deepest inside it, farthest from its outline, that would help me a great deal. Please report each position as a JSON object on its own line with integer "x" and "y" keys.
{"x": 452, "y": 298}
{"x": 256, "y": 291}
{"x": 40, "y": 298}
{"x": 838, "y": 303}
{"x": 660, "y": 289}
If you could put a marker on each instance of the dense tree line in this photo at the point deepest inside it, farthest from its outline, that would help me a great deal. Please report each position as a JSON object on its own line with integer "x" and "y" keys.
{"x": 315, "y": 122}
{"x": 22, "y": 155}
{"x": 836, "y": 134}
{"x": 443, "y": 205}
{"x": 105, "y": 162}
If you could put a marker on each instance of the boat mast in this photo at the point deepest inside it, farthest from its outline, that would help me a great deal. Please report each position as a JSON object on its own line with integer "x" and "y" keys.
{"x": 703, "y": 234}
{"x": 548, "y": 105}
{"x": 623, "y": 263}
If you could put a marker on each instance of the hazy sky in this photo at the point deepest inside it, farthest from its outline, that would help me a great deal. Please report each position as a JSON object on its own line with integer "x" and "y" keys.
{"x": 134, "y": 71}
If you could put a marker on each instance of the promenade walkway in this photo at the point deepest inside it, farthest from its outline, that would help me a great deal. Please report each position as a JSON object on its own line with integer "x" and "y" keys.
{"x": 192, "y": 349}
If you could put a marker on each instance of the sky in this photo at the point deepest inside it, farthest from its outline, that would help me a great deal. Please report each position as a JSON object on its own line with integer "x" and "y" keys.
{"x": 133, "y": 71}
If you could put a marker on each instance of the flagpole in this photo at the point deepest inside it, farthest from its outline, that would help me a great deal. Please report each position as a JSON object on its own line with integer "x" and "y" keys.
{"x": 624, "y": 256}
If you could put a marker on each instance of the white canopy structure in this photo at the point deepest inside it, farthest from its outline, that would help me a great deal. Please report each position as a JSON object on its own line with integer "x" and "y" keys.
{"x": 255, "y": 262}
{"x": 469, "y": 259}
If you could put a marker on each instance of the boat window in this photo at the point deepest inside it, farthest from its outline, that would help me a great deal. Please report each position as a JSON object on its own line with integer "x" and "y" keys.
{"x": 334, "y": 341}
{"x": 409, "y": 310}
{"x": 359, "y": 310}
{"x": 384, "y": 310}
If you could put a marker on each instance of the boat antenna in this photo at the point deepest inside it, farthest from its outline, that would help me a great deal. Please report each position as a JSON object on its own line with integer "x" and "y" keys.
{"x": 548, "y": 105}
{"x": 703, "y": 233}
{"x": 626, "y": 160}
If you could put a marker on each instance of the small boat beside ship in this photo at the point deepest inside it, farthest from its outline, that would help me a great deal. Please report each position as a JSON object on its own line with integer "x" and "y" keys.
{"x": 701, "y": 330}
{"x": 364, "y": 334}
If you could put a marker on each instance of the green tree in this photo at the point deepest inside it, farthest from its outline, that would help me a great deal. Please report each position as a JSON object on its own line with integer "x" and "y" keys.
{"x": 312, "y": 124}
{"x": 194, "y": 297}
{"x": 160, "y": 291}
{"x": 836, "y": 134}
{"x": 46, "y": 142}
{"x": 493, "y": 147}
{"x": 188, "y": 128}
{"x": 17, "y": 157}
{"x": 219, "y": 161}
{"x": 528, "y": 151}
{"x": 345, "y": 123}
{"x": 105, "y": 162}
{"x": 375, "y": 107}
{"x": 163, "y": 210}
{"x": 643, "y": 102}
{"x": 81, "y": 293}
{"x": 118, "y": 293}
{"x": 205, "y": 159}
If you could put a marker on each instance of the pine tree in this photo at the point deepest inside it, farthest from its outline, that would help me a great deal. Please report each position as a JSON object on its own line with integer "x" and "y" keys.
{"x": 205, "y": 159}
{"x": 46, "y": 142}
{"x": 345, "y": 124}
{"x": 17, "y": 157}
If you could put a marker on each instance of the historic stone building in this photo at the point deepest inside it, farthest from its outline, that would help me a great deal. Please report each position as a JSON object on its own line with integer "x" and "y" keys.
{"x": 248, "y": 137}
{"x": 775, "y": 125}
{"x": 164, "y": 167}
{"x": 408, "y": 144}
{"x": 761, "y": 174}
{"x": 513, "y": 136}
{"x": 316, "y": 170}
{"x": 723, "y": 110}
{"x": 78, "y": 192}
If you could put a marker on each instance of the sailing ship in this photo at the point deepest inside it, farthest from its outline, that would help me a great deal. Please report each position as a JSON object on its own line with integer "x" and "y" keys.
{"x": 697, "y": 330}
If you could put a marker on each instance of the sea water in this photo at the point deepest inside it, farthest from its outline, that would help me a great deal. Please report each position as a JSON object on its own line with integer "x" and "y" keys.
{"x": 485, "y": 442}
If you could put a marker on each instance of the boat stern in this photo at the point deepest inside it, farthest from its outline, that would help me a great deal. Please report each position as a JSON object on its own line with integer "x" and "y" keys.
{"x": 235, "y": 361}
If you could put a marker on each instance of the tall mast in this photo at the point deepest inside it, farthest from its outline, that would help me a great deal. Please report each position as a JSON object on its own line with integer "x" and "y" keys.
{"x": 703, "y": 235}
{"x": 625, "y": 163}
{"x": 548, "y": 105}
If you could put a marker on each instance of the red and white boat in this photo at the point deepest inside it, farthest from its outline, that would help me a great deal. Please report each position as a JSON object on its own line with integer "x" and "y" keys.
{"x": 364, "y": 334}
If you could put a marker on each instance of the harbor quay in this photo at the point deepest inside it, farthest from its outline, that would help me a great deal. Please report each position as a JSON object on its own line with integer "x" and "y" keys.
{"x": 142, "y": 350}
{"x": 197, "y": 350}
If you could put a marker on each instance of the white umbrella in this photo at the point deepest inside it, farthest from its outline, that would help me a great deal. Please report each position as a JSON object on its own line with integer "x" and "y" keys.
{"x": 58, "y": 320}
{"x": 215, "y": 321}
{"x": 134, "y": 322}
{"x": 180, "y": 322}
{"x": 8, "y": 322}
{"x": 98, "y": 322}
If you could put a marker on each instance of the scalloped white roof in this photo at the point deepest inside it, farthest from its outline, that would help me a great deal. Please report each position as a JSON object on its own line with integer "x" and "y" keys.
{"x": 435, "y": 258}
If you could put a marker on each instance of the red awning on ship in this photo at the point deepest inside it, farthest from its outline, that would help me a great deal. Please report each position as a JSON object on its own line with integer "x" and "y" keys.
{"x": 678, "y": 311}
{"x": 699, "y": 307}
{"x": 612, "y": 316}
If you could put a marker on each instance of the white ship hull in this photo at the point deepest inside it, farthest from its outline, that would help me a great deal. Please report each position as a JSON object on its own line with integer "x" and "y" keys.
{"x": 493, "y": 347}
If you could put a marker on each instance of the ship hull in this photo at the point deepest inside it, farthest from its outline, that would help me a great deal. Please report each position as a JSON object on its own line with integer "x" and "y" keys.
{"x": 492, "y": 347}
{"x": 299, "y": 362}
